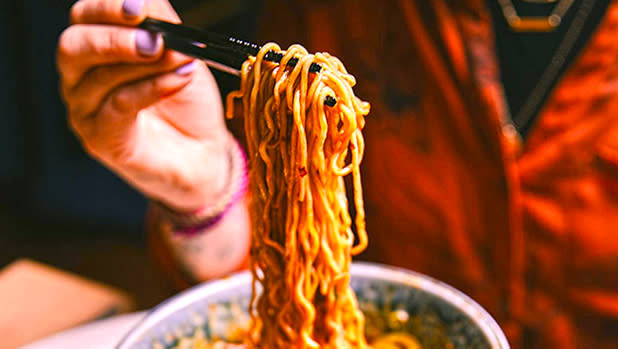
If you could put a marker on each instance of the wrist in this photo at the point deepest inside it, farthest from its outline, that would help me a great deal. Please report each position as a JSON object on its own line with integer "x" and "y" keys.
{"x": 191, "y": 221}
{"x": 204, "y": 182}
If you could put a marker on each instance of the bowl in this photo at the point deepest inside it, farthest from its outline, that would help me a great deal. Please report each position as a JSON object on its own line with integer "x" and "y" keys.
{"x": 216, "y": 305}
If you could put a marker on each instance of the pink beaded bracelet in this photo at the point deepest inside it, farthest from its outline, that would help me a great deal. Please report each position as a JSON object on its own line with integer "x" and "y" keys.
{"x": 193, "y": 223}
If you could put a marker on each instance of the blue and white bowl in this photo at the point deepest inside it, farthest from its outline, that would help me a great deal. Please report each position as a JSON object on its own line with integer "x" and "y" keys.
{"x": 217, "y": 305}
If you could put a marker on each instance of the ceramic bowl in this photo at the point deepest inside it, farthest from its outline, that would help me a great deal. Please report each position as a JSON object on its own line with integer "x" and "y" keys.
{"x": 435, "y": 304}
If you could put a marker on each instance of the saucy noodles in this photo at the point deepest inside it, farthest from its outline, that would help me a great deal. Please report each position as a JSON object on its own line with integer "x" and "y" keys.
{"x": 302, "y": 238}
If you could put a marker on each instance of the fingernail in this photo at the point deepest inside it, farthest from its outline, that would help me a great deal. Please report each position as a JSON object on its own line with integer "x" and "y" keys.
{"x": 186, "y": 69}
{"x": 147, "y": 43}
{"x": 133, "y": 7}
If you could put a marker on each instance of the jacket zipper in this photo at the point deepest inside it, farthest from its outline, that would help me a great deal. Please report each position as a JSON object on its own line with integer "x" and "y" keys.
{"x": 541, "y": 89}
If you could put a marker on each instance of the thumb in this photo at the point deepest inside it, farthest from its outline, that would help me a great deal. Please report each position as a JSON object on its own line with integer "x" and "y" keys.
{"x": 127, "y": 101}
{"x": 108, "y": 134}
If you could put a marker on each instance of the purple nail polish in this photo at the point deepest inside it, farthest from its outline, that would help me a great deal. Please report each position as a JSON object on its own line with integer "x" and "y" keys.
{"x": 186, "y": 69}
{"x": 133, "y": 7}
{"x": 147, "y": 43}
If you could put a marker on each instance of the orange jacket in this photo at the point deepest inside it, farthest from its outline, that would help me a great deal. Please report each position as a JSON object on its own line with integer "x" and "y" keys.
{"x": 528, "y": 229}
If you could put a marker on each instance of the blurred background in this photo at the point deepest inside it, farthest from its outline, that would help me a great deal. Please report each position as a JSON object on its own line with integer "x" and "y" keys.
{"x": 58, "y": 205}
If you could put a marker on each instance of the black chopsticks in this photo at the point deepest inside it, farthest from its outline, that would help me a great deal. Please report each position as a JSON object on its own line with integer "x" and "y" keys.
{"x": 220, "y": 52}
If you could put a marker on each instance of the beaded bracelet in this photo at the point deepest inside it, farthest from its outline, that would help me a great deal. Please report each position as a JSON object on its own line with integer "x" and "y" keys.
{"x": 193, "y": 223}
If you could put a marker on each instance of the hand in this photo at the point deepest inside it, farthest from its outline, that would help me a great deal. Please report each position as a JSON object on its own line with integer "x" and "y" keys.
{"x": 153, "y": 116}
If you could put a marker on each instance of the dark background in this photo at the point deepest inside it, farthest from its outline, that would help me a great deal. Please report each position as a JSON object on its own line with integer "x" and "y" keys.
{"x": 57, "y": 205}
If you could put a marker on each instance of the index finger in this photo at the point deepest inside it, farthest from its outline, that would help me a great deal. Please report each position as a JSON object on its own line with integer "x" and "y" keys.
{"x": 121, "y": 12}
{"x": 83, "y": 46}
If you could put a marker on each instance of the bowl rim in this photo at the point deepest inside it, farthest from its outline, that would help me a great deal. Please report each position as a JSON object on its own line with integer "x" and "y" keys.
{"x": 487, "y": 324}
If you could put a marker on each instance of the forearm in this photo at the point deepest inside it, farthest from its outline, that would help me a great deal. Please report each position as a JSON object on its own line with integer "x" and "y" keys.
{"x": 214, "y": 252}
{"x": 211, "y": 241}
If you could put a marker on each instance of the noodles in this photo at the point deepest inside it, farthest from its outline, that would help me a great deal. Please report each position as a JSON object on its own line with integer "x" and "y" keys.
{"x": 302, "y": 239}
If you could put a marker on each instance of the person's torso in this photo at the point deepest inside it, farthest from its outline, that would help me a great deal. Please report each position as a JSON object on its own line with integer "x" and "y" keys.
{"x": 528, "y": 229}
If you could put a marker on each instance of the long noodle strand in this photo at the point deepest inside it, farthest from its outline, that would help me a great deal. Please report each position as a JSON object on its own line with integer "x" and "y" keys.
{"x": 302, "y": 239}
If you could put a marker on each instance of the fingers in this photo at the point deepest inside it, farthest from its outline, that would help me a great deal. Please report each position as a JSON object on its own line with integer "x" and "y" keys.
{"x": 86, "y": 96}
{"x": 119, "y": 109}
{"x": 101, "y": 35}
{"x": 121, "y": 12}
{"x": 83, "y": 46}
